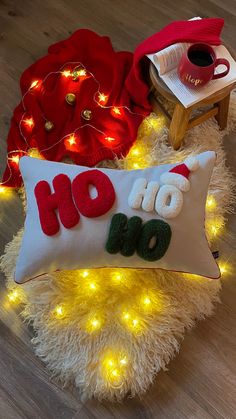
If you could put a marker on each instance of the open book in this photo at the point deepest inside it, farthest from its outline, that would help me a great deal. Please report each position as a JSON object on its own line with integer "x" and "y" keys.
{"x": 166, "y": 62}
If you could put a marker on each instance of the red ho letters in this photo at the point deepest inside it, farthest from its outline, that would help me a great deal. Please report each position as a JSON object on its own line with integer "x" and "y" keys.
{"x": 72, "y": 199}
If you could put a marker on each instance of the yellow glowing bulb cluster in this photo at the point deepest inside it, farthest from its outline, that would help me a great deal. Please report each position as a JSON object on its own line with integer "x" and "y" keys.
{"x": 94, "y": 324}
{"x": 146, "y": 301}
{"x": 114, "y": 367}
{"x": 89, "y": 285}
{"x": 6, "y": 192}
{"x": 59, "y": 311}
{"x": 210, "y": 203}
{"x": 2, "y": 189}
{"x": 85, "y": 274}
{"x": 92, "y": 286}
{"x": 224, "y": 268}
{"x": 117, "y": 277}
{"x": 13, "y": 296}
{"x": 214, "y": 230}
{"x": 214, "y": 226}
{"x": 131, "y": 321}
{"x": 157, "y": 122}
{"x": 135, "y": 151}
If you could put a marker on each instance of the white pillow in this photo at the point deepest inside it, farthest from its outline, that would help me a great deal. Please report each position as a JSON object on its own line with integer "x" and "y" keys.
{"x": 77, "y": 218}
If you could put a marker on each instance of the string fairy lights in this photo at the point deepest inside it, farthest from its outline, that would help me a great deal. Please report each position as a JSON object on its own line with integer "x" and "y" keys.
{"x": 77, "y": 72}
{"x": 95, "y": 316}
{"x": 114, "y": 364}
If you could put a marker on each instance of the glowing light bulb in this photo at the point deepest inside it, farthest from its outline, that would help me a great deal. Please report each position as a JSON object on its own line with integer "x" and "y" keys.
{"x": 135, "y": 322}
{"x": 2, "y": 189}
{"x": 223, "y": 268}
{"x": 13, "y": 296}
{"x": 92, "y": 286}
{"x": 81, "y": 72}
{"x": 115, "y": 373}
{"x": 85, "y": 274}
{"x": 59, "y": 311}
{"x": 146, "y": 301}
{"x": 131, "y": 321}
{"x": 210, "y": 203}
{"x": 214, "y": 230}
{"x": 110, "y": 139}
{"x": 93, "y": 324}
{"x": 114, "y": 367}
{"x": 15, "y": 159}
{"x": 155, "y": 123}
{"x": 116, "y": 111}
{"x": 66, "y": 73}
{"x": 71, "y": 140}
{"x": 126, "y": 316}
{"x": 135, "y": 152}
{"x": 35, "y": 84}
{"x": 29, "y": 122}
{"x": 117, "y": 277}
{"x": 102, "y": 98}
{"x": 34, "y": 152}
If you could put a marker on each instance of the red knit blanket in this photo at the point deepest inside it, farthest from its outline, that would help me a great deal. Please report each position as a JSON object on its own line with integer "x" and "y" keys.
{"x": 85, "y": 101}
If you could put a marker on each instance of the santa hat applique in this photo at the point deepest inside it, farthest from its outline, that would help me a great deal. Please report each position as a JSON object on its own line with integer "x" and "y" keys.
{"x": 178, "y": 175}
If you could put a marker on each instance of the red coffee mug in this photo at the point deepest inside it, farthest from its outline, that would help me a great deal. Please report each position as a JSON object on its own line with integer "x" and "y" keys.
{"x": 197, "y": 66}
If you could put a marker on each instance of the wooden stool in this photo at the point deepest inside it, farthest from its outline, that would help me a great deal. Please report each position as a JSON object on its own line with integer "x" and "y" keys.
{"x": 181, "y": 120}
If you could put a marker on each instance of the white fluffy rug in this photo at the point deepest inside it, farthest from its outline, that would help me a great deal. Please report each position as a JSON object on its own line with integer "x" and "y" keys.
{"x": 112, "y": 338}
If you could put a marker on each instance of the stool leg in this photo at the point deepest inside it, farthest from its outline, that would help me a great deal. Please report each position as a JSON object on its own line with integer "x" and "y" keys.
{"x": 179, "y": 125}
{"x": 223, "y": 109}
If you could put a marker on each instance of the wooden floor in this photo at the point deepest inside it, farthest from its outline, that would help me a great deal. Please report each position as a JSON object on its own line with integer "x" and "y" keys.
{"x": 201, "y": 382}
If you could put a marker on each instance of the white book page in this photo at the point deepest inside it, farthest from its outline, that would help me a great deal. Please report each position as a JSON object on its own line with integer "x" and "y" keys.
{"x": 168, "y": 58}
{"x": 188, "y": 96}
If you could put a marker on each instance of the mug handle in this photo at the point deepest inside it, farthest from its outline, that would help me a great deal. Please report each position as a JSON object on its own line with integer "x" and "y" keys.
{"x": 224, "y": 73}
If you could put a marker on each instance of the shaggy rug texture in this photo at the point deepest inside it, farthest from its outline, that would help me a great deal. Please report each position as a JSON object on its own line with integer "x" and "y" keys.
{"x": 110, "y": 331}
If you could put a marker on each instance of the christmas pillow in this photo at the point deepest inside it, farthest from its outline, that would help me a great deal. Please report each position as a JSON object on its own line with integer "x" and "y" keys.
{"x": 78, "y": 217}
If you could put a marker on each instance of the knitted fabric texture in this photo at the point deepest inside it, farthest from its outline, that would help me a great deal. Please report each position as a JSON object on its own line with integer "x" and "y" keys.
{"x": 119, "y": 75}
